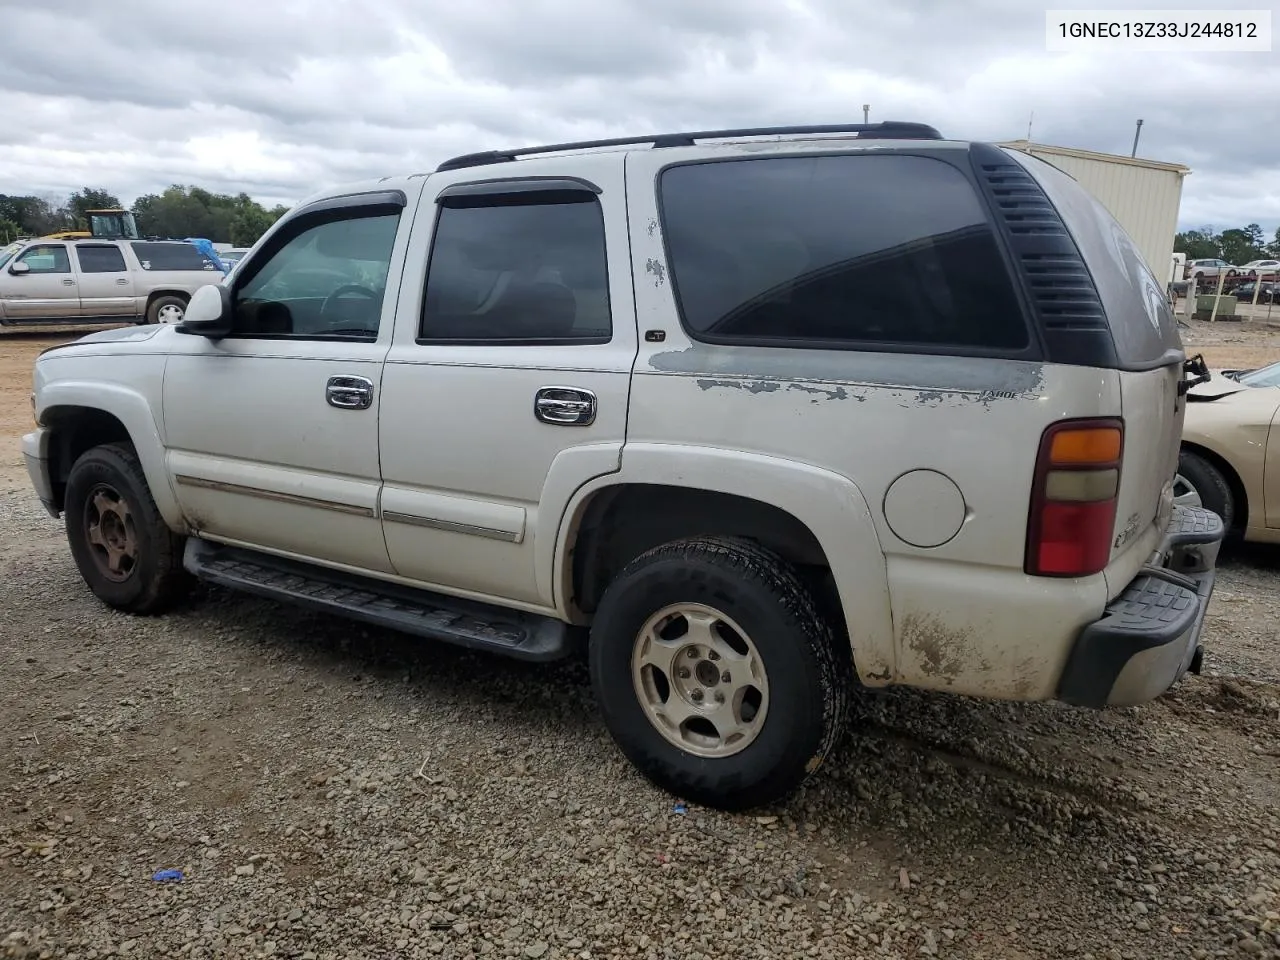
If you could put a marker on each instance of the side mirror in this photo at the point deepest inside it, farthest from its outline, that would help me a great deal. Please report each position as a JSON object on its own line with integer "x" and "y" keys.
{"x": 209, "y": 313}
{"x": 20, "y": 269}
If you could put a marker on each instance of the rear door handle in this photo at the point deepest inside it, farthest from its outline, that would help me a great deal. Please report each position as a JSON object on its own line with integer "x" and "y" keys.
{"x": 122, "y": 281}
{"x": 565, "y": 406}
{"x": 68, "y": 282}
{"x": 349, "y": 393}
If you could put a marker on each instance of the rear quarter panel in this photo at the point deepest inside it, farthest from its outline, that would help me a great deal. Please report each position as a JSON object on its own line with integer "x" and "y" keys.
{"x": 957, "y": 613}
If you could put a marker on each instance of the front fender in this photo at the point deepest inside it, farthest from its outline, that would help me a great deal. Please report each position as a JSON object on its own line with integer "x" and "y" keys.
{"x": 830, "y": 505}
{"x": 131, "y": 408}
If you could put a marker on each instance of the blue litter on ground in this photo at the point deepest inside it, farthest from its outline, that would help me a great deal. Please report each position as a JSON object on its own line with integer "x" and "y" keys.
{"x": 167, "y": 876}
{"x": 681, "y": 808}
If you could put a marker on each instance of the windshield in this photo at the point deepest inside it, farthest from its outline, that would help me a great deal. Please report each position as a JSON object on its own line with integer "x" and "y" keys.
{"x": 1268, "y": 376}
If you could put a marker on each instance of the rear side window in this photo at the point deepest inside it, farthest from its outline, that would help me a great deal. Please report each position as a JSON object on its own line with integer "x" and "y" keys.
{"x": 523, "y": 268}
{"x": 171, "y": 256}
{"x": 837, "y": 251}
{"x": 1143, "y": 327}
{"x": 100, "y": 258}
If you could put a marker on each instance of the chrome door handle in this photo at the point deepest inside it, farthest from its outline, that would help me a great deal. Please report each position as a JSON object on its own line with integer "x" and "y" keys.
{"x": 68, "y": 282}
{"x": 349, "y": 393}
{"x": 121, "y": 280}
{"x": 565, "y": 406}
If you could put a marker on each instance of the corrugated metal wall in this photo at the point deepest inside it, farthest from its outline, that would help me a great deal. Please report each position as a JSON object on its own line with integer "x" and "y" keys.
{"x": 1144, "y": 199}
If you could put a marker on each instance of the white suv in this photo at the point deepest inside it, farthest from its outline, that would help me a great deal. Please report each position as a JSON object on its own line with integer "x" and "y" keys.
{"x": 769, "y": 417}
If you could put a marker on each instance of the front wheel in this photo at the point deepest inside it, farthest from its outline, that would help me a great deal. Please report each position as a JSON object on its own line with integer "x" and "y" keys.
{"x": 716, "y": 675}
{"x": 123, "y": 548}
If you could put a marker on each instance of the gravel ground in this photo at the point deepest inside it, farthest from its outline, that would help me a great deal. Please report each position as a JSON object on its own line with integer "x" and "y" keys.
{"x": 334, "y": 791}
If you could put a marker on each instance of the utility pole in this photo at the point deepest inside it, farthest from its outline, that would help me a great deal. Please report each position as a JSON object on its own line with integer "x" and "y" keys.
{"x": 866, "y": 112}
{"x": 1030, "y": 120}
{"x": 1136, "y": 134}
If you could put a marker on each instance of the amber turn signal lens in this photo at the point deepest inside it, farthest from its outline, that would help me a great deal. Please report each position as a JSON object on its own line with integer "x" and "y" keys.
{"x": 1086, "y": 446}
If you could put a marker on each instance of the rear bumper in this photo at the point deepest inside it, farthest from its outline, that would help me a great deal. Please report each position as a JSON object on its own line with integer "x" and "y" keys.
{"x": 1149, "y": 636}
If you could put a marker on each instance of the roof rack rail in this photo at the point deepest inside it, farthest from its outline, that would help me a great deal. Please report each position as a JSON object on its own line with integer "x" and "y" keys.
{"x": 886, "y": 130}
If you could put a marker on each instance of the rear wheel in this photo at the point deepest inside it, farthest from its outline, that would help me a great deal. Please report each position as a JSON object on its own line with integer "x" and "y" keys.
{"x": 123, "y": 548}
{"x": 1199, "y": 483}
{"x": 716, "y": 675}
{"x": 167, "y": 310}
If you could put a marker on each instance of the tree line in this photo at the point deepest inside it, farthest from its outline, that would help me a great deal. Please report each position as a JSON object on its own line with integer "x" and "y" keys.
{"x": 1237, "y": 245}
{"x": 180, "y": 211}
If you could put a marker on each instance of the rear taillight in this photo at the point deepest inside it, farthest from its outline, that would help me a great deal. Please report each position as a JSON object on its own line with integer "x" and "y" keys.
{"x": 1073, "y": 500}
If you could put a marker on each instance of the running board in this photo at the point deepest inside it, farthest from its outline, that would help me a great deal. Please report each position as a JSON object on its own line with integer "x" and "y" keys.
{"x": 467, "y": 623}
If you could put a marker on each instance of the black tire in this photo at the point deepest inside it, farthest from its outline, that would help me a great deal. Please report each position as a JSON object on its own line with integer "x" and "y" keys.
{"x": 160, "y": 303}
{"x": 1215, "y": 491}
{"x": 809, "y": 676}
{"x": 154, "y": 579}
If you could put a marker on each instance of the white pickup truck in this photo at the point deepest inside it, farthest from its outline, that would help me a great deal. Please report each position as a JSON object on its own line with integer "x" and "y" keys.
{"x": 767, "y": 414}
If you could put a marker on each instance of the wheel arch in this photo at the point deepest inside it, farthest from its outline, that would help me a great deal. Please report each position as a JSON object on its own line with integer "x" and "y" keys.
{"x": 154, "y": 295}
{"x": 812, "y": 517}
{"x": 78, "y": 417}
{"x": 1239, "y": 492}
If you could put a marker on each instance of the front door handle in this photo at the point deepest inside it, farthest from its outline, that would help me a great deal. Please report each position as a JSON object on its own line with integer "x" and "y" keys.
{"x": 68, "y": 282}
{"x": 122, "y": 280}
{"x": 349, "y": 393}
{"x": 565, "y": 406}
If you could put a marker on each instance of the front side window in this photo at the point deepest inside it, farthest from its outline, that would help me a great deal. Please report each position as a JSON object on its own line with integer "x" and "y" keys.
{"x": 327, "y": 279}
{"x": 837, "y": 251}
{"x": 528, "y": 268}
{"x": 100, "y": 258}
{"x": 47, "y": 258}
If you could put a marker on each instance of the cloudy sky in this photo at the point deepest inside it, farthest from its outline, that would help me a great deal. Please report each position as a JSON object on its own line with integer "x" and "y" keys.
{"x": 281, "y": 97}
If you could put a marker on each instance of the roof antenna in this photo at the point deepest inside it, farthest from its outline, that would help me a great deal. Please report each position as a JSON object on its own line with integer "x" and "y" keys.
{"x": 1136, "y": 134}
{"x": 1030, "y": 120}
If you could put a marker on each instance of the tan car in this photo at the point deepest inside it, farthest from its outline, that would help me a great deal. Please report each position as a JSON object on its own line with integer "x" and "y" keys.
{"x": 96, "y": 280}
{"x": 1230, "y": 457}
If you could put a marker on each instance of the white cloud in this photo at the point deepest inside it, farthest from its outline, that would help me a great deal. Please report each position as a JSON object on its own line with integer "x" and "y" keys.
{"x": 281, "y": 98}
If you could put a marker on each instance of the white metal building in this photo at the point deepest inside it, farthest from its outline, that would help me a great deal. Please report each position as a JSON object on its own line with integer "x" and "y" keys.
{"x": 1143, "y": 195}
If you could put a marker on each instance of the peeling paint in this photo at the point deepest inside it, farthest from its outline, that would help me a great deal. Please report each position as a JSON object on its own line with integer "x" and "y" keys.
{"x": 652, "y": 226}
{"x": 751, "y": 386}
{"x": 820, "y": 393}
{"x": 929, "y": 396}
{"x": 984, "y": 380}
{"x": 655, "y": 266}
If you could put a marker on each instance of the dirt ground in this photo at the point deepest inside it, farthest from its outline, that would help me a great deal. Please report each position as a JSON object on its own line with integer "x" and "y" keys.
{"x": 333, "y": 791}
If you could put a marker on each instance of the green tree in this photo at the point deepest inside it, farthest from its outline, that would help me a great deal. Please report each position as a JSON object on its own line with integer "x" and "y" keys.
{"x": 33, "y": 215}
{"x": 86, "y": 199}
{"x": 1273, "y": 248}
{"x": 1242, "y": 245}
{"x": 9, "y": 230}
{"x": 1201, "y": 244}
{"x": 250, "y": 224}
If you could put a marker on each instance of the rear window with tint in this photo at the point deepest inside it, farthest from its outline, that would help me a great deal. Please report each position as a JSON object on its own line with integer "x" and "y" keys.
{"x": 839, "y": 251}
{"x": 171, "y": 256}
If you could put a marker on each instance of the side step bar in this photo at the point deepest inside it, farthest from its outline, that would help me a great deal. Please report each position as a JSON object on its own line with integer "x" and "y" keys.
{"x": 467, "y": 623}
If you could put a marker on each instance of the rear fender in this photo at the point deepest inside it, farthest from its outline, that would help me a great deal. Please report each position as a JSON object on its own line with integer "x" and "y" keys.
{"x": 830, "y": 505}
